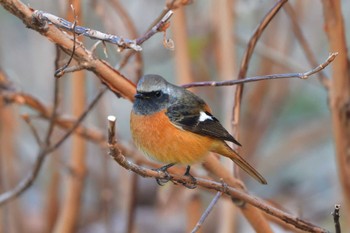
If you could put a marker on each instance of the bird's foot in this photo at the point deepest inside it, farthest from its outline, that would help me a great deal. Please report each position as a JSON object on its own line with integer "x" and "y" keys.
{"x": 193, "y": 183}
{"x": 167, "y": 176}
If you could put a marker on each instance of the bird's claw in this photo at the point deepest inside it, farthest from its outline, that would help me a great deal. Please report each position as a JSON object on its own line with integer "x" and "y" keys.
{"x": 167, "y": 177}
{"x": 193, "y": 183}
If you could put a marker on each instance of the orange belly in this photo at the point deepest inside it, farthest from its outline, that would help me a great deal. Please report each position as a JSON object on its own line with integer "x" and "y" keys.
{"x": 162, "y": 141}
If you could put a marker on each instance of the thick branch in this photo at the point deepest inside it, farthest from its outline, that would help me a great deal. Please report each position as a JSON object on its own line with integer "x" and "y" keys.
{"x": 339, "y": 92}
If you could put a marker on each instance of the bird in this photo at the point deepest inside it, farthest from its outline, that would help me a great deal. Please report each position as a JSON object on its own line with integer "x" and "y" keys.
{"x": 172, "y": 125}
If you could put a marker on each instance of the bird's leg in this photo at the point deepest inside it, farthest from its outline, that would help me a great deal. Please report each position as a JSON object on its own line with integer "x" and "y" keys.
{"x": 162, "y": 181}
{"x": 193, "y": 184}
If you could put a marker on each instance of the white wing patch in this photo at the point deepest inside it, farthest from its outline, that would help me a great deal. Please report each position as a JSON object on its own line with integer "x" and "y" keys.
{"x": 203, "y": 117}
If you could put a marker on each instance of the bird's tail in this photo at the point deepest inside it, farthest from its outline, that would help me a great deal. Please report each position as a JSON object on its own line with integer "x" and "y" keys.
{"x": 228, "y": 152}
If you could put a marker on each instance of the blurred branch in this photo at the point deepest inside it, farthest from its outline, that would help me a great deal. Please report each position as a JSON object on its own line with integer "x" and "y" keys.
{"x": 194, "y": 206}
{"x": 304, "y": 44}
{"x": 304, "y": 75}
{"x": 45, "y": 150}
{"x": 131, "y": 208}
{"x": 115, "y": 153}
{"x": 224, "y": 26}
{"x": 55, "y": 101}
{"x": 339, "y": 92}
{"x": 181, "y": 53}
{"x": 45, "y": 112}
{"x": 71, "y": 204}
{"x": 26, "y": 182}
{"x": 78, "y": 120}
{"x": 35, "y": 133}
{"x": 130, "y": 26}
{"x": 245, "y": 62}
{"x": 207, "y": 211}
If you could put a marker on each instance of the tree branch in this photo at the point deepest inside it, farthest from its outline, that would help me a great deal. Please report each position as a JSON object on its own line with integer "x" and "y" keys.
{"x": 115, "y": 153}
{"x": 304, "y": 75}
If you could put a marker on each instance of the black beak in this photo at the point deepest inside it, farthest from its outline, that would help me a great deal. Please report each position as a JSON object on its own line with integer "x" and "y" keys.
{"x": 139, "y": 95}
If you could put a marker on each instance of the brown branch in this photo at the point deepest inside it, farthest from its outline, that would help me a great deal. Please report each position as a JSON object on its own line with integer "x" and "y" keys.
{"x": 26, "y": 182}
{"x": 339, "y": 92}
{"x": 194, "y": 206}
{"x": 303, "y": 43}
{"x": 246, "y": 58}
{"x": 46, "y": 113}
{"x": 304, "y": 75}
{"x": 130, "y": 26}
{"x": 71, "y": 204}
{"x": 35, "y": 133}
{"x": 131, "y": 215}
{"x": 78, "y": 120}
{"x": 115, "y": 153}
{"x": 55, "y": 101}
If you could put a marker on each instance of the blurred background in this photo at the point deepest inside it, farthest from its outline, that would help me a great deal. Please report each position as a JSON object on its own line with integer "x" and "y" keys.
{"x": 285, "y": 125}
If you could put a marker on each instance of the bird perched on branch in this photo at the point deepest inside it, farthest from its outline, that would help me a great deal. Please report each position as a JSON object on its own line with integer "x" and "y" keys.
{"x": 174, "y": 126}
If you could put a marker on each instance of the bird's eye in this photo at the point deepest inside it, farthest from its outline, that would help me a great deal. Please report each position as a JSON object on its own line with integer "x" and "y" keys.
{"x": 158, "y": 93}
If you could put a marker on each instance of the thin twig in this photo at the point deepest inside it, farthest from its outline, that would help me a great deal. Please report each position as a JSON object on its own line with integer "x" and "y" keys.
{"x": 79, "y": 120}
{"x": 60, "y": 71}
{"x": 156, "y": 28}
{"x": 55, "y": 101}
{"x": 115, "y": 153}
{"x": 26, "y": 118}
{"x": 26, "y": 182}
{"x": 304, "y": 75}
{"x": 207, "y": 211}
{"x": 336, "y": 216}
{"x": 43, "y": 17}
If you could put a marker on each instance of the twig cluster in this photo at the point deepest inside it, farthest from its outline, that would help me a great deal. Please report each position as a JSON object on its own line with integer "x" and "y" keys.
{"x": 122, "y": 43}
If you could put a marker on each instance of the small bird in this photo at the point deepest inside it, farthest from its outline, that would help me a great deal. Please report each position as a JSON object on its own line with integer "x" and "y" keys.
{"x": 174, "y": 126}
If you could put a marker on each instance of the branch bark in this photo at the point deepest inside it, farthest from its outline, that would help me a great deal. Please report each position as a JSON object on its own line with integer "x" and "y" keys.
{"x": 339, "y": 92}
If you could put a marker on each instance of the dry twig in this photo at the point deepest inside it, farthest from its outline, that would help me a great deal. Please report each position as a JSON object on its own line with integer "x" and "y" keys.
{"x": 304, "y": 75}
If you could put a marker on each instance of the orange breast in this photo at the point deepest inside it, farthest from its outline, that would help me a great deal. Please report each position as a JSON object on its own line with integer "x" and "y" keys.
{"x": 162, "y": 141}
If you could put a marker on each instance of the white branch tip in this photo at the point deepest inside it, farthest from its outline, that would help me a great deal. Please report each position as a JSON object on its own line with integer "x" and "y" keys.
{"x": 111, "y": 118}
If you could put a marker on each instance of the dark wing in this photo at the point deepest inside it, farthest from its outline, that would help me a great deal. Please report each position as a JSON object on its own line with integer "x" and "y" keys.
{"x": 198, "y": 121}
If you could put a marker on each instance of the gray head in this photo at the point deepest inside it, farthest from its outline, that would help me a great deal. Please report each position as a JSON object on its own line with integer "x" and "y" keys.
{"x": 153, "y": 94}
{"x": 151, "y": 82}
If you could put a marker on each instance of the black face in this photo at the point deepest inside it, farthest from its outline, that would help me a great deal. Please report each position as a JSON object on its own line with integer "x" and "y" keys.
{"x": 150, "y": 102}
